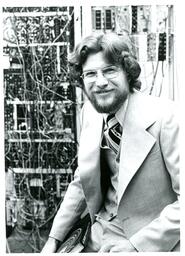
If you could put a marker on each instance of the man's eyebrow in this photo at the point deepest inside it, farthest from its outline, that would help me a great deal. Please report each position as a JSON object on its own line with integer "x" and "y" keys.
{"x": 94, "y": 69}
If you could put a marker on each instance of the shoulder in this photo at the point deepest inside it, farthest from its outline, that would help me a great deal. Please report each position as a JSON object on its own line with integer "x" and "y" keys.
{"x": 89, "y": 115}
{"x": 162, "y": 106}
{"x": 146, "y": 110}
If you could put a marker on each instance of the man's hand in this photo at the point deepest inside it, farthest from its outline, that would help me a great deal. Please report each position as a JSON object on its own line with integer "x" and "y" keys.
{"x": 119, "y": 246}
{"x": 50, "y": 246}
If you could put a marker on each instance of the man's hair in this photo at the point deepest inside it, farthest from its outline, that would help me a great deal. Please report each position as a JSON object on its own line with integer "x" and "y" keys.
{"x": 117, "y": 50}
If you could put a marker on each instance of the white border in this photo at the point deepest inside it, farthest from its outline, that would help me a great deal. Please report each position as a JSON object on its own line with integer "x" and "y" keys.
{"x": 180, "y": 45}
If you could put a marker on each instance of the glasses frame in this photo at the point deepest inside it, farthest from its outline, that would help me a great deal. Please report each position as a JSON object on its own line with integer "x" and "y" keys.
{"x": 93, "y": 79}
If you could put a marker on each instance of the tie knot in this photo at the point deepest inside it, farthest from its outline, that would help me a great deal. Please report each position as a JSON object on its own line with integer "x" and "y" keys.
{"x": 111, "y": 120}
{"x": 109, "y": 117}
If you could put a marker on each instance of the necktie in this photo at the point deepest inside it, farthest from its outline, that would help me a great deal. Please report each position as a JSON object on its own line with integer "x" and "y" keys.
{"x": 113, "y": 133}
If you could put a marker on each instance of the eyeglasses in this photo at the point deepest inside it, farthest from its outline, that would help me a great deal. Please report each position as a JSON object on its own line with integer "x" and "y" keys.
{"x": 109, "y": 72}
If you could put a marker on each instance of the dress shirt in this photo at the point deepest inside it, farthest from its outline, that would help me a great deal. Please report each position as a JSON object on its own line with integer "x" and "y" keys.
{"x": 109, "y": 209}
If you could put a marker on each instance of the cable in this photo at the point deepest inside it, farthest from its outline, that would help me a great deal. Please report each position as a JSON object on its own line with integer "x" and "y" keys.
{"x": 35, "y": 143}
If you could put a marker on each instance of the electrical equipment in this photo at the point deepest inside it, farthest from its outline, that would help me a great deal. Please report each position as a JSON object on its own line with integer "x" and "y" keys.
{"x": 122, "y": 19}
{"x": 8, "y": 117}
{"x": 39, "y": 195}
{"x": 143, "y": 19}
{"x": 97, "y": 19}
{"x": 40, "y": 111}
{"x": 13, "y": 83}
{"x": 151, "y": 47}
{"x": 103, "y": 18}
{"x": 108, "y": 19}
{"x": 11, "y": 212}
{"x": 162, "y": 47}
{"x": 134, "y": 19}
{"x": 141, "y": 43}
{"x": 36, "y": 29}
{"x": 40, "y": 153}
{"x": 39, "y": 76}
{"x": 149, "y": 27}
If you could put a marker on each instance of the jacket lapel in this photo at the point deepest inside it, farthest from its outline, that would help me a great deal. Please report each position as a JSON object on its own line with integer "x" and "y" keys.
{"x": 136, "y": 141}
{"x": 135, "y": 145}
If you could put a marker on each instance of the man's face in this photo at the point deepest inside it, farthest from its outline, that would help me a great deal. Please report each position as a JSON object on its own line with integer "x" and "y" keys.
{"x": 106, "y": 94}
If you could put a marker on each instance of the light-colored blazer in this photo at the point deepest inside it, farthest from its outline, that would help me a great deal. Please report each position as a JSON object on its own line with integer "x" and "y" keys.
{"x": 148, "y": 183}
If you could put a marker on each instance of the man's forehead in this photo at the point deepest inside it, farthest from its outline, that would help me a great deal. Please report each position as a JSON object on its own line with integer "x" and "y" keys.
{"x": 95, "y": 61}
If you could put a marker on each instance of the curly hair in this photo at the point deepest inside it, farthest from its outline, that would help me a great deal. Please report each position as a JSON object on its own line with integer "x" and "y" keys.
{"x": 117, "y": 50}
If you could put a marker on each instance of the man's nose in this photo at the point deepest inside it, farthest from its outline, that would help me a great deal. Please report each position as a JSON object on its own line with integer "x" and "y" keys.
{"x": 101, "y": 81}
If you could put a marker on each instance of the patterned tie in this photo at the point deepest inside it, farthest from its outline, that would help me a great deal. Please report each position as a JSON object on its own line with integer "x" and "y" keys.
{"x": 113, "y": 133}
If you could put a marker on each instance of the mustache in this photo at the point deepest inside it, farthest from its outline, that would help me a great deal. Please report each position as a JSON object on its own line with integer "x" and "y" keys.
{"x": 102, "y": 90}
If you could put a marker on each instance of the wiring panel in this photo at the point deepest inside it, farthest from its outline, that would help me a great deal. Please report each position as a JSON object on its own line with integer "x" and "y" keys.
{"x": 40, "y": 112}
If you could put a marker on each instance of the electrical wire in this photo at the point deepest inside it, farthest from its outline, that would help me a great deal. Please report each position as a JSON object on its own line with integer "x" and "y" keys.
{"x": 27, "y": 151}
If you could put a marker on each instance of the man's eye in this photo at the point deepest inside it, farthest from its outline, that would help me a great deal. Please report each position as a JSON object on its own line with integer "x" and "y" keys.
{"x": 109, "y": 70}
{"x": 90, "y": 74}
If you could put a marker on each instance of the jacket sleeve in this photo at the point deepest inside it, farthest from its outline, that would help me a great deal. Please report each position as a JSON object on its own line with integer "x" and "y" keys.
{"x": 70, "y": 209}
{"x": 163, "y": 233}
{"x": 72, "y": 206}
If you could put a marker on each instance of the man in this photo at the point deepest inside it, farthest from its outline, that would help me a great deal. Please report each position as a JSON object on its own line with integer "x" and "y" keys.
{"x": 128, "y": 174}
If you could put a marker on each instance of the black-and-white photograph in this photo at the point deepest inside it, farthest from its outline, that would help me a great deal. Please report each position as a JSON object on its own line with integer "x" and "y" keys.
{"x": 91, "y": 127}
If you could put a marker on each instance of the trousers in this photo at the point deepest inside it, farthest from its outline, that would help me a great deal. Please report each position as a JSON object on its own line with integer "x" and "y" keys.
{"x": 104, "y": 232}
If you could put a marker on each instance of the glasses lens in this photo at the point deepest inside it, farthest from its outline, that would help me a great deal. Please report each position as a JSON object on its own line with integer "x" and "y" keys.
{"x": 110, "y": 72}
{"x": 89, "y": 76}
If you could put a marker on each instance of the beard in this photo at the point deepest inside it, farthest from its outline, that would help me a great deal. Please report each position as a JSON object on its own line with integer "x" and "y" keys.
{"x": 107, "y": 105}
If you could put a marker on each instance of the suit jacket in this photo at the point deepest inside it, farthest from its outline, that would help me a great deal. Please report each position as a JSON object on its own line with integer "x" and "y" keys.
{"x": 148, "y": 183}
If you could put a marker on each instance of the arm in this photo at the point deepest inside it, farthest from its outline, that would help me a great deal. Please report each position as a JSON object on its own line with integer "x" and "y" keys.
{"x": 69, "y": 212}
{"x": 50, "y": 246}
{"x": 163, "y": 233}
